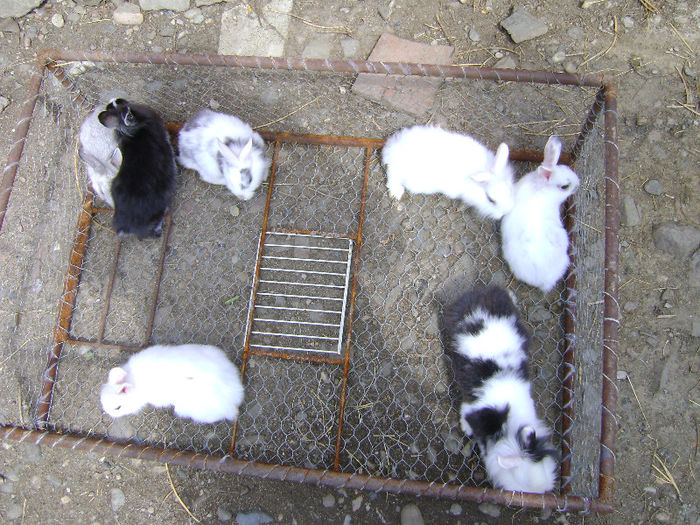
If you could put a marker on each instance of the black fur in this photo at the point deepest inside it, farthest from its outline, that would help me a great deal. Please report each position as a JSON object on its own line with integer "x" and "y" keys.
{"x": 536, "y": 447}
{"x": 471, "y": 374}
{"x": 487, "y": 423}
{"x": 145, "y": 183}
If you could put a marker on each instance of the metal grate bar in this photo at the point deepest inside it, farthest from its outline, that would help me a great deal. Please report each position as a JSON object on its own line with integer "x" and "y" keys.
{"x": 303, "y": 284}
{"x": 299, "y": 309}
{"x": 302, "y": 271}
{"x": 294, "y": 321}
{"x": 301, "y": 296}
{"x": 302, "y": 259}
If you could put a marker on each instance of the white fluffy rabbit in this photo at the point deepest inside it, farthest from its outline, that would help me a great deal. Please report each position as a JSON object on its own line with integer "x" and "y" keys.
{"x": 428, "y": 159}
{"x": 101, "y": 155}
{"x": 486, "y": 341}
{"x": 224, "y": 150}
{"x": 535, "y": 243}
{"x": 199, "y": 382}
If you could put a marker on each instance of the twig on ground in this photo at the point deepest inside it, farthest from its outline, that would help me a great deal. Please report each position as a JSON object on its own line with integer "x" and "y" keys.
{"x": 634, "y": 392}
{"x": 288, "y": 114}
{"x": 24, "y": 508}
{"x": 179, "y": 499}
{"x": 328, "y": 29}
{"x": 681, "y": 37}
{"x": 649, "y": 6}
{"x": 603, "y": 53}
{"x": 444, "y": 32}
{"x": 665, "y": 474}
{"x": 100, "y": 225}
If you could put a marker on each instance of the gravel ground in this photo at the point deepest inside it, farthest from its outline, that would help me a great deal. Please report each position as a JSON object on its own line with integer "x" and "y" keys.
{"x": 652, "y": 49}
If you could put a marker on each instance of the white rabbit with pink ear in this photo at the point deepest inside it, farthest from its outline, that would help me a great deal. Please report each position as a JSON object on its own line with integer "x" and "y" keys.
{"x": 428, "y": 159}
{"x": 224, "y": 150}
{"x": 198, "y": 381}
{"x": 535, "y": 242}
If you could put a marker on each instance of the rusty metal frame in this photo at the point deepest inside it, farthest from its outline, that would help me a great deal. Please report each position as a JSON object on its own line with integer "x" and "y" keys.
{"x": 605, "y": 104}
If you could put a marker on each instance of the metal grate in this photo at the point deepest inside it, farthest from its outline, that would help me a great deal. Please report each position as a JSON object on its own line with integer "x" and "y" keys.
{"x": 299, "y": 303}
{"x": 367, "y": 402}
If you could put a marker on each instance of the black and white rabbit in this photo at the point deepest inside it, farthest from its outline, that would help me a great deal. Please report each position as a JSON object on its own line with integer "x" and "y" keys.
{"x": 144, "y": 186}
{"x": 488, "y": 345}
{"x": 224, "y": 150}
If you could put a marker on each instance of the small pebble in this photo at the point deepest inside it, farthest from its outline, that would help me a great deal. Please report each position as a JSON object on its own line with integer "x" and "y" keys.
{"x": 356, "y": 503}
{"x": 654, "y": 187}
{"x": 4, "y": 102}
{"x": 57, "y": 20}
{"x": 490, "y": 510}
{"x": 621, "y": 375}
{"x": 65, "y": 500}
{"x": 627, "y": 21}
{"x": 688, "y": 71}
{"x": 663, "y": 517}
{"x": 117, "y": 499}
{"x": 328, "y": 501}
{"x": 558, "y": 57}
{"x": 411, "y": 515}
{"x": 234, "y": 211}
{"x": 456, "y": 509}
{"x": 224, "y": 514}
{"x": 570, "y": 67}
{"x": 474, "y": 35}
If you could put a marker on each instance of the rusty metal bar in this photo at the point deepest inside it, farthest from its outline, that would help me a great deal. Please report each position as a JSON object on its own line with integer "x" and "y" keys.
{"x": 298, "y": 357}
{"x": 351, "y": 310}
{"x": 256, "y": 279}
{"x": 611, "y": 315}
{"x": 312, "y": 232}
{"x": 589, "y": 124}
{"x": 159, "y": 276}
{"x": 66, "y": 304}
{"x": 326, "y": 478}
{"x": 321, "y": 65}
{"x": 21, "y": 129}
{"x": 108, "y": 293}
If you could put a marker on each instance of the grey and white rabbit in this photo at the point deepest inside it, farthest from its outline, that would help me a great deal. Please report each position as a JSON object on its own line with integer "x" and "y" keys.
{"x": 100, "y": 153}
{"x": 487, "y": 343}
{"x": 145, "y": 183}
{"x": 429, "y": 159}
{"x": 224, "y": 150}
{"x": 198, "y": 381}
{"x": 535, "y": 242}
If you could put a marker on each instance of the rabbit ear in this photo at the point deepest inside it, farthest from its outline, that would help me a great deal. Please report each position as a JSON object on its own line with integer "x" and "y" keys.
{"x": 552, "y": 150}
{"x": 117, "y": 376}
{"x": 509, "y": 462}
{"x": 499, "y": 163}
{"x": 226, "y": 152}
{"x": 108, "y": 119}
{"x": 245, "y": 152}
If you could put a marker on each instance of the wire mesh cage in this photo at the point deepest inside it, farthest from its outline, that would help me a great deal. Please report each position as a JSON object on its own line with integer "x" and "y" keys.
{"x": 322, "y": 289}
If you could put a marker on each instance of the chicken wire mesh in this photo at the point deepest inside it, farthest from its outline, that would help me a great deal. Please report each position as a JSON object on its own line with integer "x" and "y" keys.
{"x": 380, "y": 404}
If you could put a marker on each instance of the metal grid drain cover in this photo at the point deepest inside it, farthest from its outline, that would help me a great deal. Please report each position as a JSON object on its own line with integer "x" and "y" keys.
{"x": 301, "y": 294}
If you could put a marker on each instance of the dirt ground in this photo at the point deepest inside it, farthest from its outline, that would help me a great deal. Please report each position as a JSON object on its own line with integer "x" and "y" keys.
{"x": 651, "y": 47}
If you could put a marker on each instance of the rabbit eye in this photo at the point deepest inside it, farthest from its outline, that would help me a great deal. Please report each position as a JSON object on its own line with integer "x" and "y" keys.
{"x": 118, "y": 408}
{"x": 565, "y": 186}
{"x": 491, "y": 200}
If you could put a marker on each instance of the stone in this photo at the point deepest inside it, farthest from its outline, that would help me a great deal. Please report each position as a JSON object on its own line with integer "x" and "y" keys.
{"x": 662, "y": 517}
{"x": 654, "y": 187}
{"x": 689, "y": 71}
{"x": 171, "y": 5}
{"x": 490, "y": 510}
{"x": 4, "y": 102}
{"x": 695, "y": 328}
{"x": 411, "y": 515}
{"x": 522, "y": 26}
{"x": 695, "y": 269}
{"x": 627, "y": 22}
{"x": 456, "y": 509}
{"x": 319, "y": 47}
{"x": 224, "y": 514}
{"x": 621, "y": 375}
{"x": 57, "y": 20}
{"x": 127, "y": 14}
{"x": 385, "y": 11}
{"x": 559, "y": 57}
{"x": 474, "y": 35}
{"x": 17, "y": 8}
{"x": 328, "y": 501}
{"x": 413, "y": 95}
{"x": 117, "y": 499}
{"x": 507, "y": 62}
{"x": 242, "y": 34}
{"x": 13, "y": 511}
{"x": 32, "y": 453}
{"x": 629, "y": 213}
{"x": 167, "y": 31}
{"x": 677, "y": 239}
{"x": 192, "y": 13}
{"x": 350, "y": 47}
{"x": 253, "y": 518}
{"x": 8, "y": 25}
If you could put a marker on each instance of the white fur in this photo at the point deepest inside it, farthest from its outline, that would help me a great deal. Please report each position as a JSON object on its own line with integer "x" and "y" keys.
{"x": 535, "y": 243}
{"x": 498, "y": 341}
{"x": 100, "y": 154}
{"x": 506, "y": 465}
{"x": 202, "y": 140}
{"x": 426, "y": 159}
{"x": 199, "y": 381}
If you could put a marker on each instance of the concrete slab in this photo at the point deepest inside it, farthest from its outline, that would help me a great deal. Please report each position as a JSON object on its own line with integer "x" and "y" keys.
{"x": 244, "y": 33}
{"x": 411, "y": 94}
